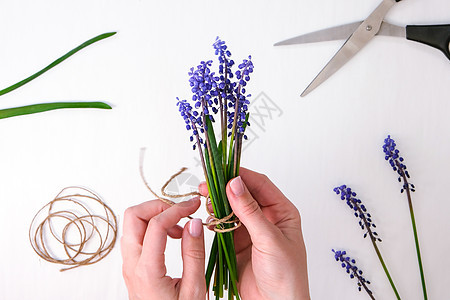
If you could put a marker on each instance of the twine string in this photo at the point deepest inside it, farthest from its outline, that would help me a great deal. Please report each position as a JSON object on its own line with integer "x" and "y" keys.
{"x": 85, "y": 224}
{"x": 218, "y": 224}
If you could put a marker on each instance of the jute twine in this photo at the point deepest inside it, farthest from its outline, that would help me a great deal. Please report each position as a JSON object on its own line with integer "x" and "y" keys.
{"x": 218, "y": 224}
{"x": 89, "y": 228}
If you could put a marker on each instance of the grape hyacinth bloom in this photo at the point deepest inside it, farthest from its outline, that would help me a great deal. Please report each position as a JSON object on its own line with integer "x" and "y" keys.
{"x": 392, "y": 155}
{"x": 349, "y": 264}
{"x": 240, "y": 101}
{"x": 366, "y": 223}
{"x": 203, "y": 86}
{"x": 193, "y": 123}
{"x": 360, "y": 211}
{"x": 225, "y": 64}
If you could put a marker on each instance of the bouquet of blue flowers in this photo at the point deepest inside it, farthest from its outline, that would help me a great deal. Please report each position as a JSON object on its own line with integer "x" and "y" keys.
{"x": 223, "y": 93}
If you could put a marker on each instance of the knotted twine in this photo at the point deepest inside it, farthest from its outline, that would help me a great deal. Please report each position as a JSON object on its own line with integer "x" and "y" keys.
{"x": 79, "y": 219}
{"x": 217, "y": 223}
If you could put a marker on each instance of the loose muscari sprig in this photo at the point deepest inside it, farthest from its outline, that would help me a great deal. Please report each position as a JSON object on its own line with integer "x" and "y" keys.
{"x": 360, "y": 211}
{"x": 392, "y": 155}
{"x": 349, "y": 264}
{"x": 212, "y": 93}
{"x": 366, "y": 223}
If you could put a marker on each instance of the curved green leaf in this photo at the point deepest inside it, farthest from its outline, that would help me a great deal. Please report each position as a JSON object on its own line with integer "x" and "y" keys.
{"x": 56, "y": 62}
{"x": 37, "y": 108}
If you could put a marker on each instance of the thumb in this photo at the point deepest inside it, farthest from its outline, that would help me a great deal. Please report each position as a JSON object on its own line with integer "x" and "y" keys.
{"x": 193, "y": 284}
{"x": 247, "y": 209}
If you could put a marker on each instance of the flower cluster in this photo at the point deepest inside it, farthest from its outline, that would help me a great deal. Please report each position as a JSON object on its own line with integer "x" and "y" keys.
{"x": 350, "y": 265}
{"x": 396, "y": 161}
{"x": 241, "y": 107}
{"x": 225, "y": 64}
{"x": 191, "y": 119}
{"x": 360, "y": 211}
{"x": 211, "y": 93}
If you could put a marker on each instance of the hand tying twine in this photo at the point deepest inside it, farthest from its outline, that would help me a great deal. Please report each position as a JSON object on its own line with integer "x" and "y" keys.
{"x": 218, "y": 223}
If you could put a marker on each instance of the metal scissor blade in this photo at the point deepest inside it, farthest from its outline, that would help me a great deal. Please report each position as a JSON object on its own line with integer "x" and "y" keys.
{"x": 362, "y": 35}
{"x": 341, "y": 32}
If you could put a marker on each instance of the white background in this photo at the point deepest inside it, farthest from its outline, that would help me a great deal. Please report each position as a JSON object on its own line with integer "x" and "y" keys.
{"x": 331, "y": 137}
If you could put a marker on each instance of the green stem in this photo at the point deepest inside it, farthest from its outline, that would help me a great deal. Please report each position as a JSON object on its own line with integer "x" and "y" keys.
{"x": 385, "y": 268}
{"x": 37, "y": 108}
{"x": 416, "y": 240}
{"x": 413, "y": 222}
{"x": 233, "y": 275}
{"x": 56, "y": 62}
{"x": 211, "y": 262}
{"x": 374, "y": 239}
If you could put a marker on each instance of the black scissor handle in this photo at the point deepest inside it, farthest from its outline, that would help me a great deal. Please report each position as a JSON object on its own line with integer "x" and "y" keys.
{"x": 437, "y": 36}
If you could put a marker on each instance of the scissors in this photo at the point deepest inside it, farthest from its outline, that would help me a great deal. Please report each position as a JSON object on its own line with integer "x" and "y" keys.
{"x": 358, "y": 34}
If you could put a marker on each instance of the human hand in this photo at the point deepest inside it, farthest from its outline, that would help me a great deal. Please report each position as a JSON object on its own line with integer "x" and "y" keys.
{"x": 270, "y": 252}
{"x": 145, "y": 230}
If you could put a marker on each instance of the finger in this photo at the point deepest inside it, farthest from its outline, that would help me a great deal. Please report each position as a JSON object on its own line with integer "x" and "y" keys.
{"x": 155, "y": 239}
{"x": 193, "y": 284}
{"x": 275, "y": 206}
{"x": 248, "y": 211}
{"x": 242, "y": 240}
{"x": 134, "y": 226}
{"x": 261, "y": 188}
{"x": 175, "y": 232}
{"x": 203, "y": 189}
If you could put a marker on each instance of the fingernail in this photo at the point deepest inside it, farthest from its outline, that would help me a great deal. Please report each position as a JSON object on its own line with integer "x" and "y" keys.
{"x": 237, "y": 186}
{"x": 195, "y": 227}
{"x": 188, "y": 203}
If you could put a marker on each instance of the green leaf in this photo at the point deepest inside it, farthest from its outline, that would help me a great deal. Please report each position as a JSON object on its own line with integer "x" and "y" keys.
{"x": 217, "y": 157}
{"x": 211, "y": 186}
{"x": 37, "y": 108}
{"x": 56, "y": 62}
{"x": 211, "y": 261}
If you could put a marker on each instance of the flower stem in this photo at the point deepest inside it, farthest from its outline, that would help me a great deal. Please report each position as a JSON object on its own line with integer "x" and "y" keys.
{"x": 416, "y": 240}
{"x": 385, "y": 268}
{"x": 413, "y": 222}
{"x": 373, "y": 239}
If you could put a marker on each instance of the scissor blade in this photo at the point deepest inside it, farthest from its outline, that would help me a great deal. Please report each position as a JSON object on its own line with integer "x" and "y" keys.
{"x": 341, "y": 32}
{"x": 392, "y": 30}
{"x": 362, "y": 35}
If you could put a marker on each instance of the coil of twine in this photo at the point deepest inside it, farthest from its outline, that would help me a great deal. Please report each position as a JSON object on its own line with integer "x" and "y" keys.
{"x": 69, "y": 231}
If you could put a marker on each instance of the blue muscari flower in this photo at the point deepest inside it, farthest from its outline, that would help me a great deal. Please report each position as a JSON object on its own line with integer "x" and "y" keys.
{"x": 350, "y": 266}
{"x": 193, "y": 123}
{"x": 207, "y": 88}
{"x": 224, "y": 85}
{"x": 396, "y": 161}
{"x": 360, "y": 211}
{"x": 225, "y": 62}
{"x": 203, "y": 84}
{"x": 242, "y": 76}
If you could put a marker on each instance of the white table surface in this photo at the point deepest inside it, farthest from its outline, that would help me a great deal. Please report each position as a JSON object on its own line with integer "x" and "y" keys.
{"x": 306, "y": 146}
